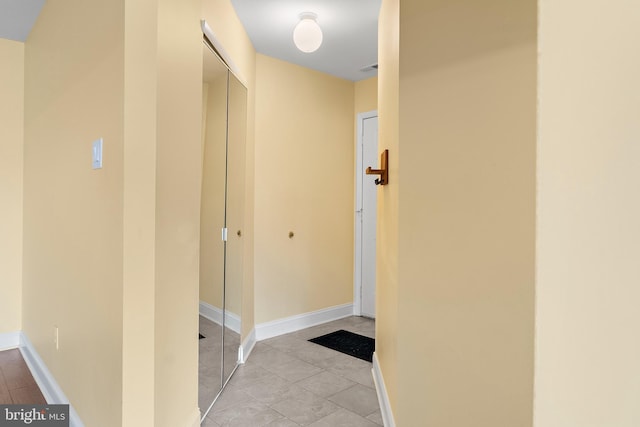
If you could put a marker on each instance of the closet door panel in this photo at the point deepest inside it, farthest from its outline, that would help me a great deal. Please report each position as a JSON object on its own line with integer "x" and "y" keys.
{"x": 212, "y": 221}
{"x": 237, "y": 125}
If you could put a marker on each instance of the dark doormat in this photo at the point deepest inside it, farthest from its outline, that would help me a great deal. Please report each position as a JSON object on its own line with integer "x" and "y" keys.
{"x": 201, "y": 336}
{"x": 348, "y": 343}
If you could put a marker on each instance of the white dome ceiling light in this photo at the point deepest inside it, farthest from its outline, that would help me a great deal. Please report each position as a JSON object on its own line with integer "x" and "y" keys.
{"x": 307, "y": 35}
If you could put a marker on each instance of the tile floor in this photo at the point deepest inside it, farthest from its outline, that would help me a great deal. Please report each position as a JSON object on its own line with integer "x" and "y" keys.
{"x": 290, "y": 382}
{"x": 17, "y": 385}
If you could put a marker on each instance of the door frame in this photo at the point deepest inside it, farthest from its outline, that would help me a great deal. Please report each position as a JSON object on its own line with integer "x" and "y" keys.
{"x": 359, "y": 171}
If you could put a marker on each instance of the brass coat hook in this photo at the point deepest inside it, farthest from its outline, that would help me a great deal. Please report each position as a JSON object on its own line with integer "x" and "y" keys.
{"x": 383, "y": 171}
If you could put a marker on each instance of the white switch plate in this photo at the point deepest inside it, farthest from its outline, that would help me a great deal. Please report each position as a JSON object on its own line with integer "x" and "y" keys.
{"x": 97, "y": 154}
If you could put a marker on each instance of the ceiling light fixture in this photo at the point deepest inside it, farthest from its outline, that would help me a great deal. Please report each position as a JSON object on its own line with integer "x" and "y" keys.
{"x": 307, "y": 35}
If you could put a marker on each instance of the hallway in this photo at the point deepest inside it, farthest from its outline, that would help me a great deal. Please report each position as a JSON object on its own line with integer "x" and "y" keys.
{"x": 290, "y": 382}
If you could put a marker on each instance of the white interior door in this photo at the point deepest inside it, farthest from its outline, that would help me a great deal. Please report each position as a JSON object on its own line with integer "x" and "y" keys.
{"x": 366, "y": 215}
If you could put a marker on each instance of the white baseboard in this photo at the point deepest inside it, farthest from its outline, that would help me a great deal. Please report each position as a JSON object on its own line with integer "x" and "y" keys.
{"x": 9, "y": 340}
{"x": 247, "y": 345}
{"x": 301, "y": 321}
{"x": 232, "y": 321}
{"x": 383, "y": 398}
{"x": 47, "y": 383}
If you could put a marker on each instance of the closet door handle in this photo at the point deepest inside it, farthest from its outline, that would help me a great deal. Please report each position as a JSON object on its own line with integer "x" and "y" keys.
{"x": 239, "y": 233}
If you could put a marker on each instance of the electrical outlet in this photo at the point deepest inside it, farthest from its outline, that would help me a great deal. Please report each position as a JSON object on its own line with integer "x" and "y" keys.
{"x": 56, "y": 339}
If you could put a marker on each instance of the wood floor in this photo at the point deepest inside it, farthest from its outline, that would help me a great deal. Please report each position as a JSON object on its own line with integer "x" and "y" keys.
{"x": 17, "y": 385}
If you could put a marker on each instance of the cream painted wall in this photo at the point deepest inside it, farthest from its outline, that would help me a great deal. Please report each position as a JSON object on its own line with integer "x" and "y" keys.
{"x": 11, "y": 160}
{"x": 111, "y": 255}
{"x": 222, "y": 18}
{"x": 587, "y": 317}
{"x": 462, "y": 200}
{"x": 304, "y": 184}
{"x": 73, "y": 215}
{"x": 178, "y": 182}
{"x": 366, "y": 95}
{"x": 139, "y": 213}
{"x": 387, "y": 232}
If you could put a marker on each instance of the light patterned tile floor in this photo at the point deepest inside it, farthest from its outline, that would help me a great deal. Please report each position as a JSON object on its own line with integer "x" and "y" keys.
{"x": 289, "y": 382}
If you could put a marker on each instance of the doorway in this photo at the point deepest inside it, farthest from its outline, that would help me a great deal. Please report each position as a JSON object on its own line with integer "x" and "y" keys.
{"x": 366, "y": 215}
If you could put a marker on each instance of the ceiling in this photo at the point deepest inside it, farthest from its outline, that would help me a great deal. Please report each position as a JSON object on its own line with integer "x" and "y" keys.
{"x": 350, "y": 33}
{"x": 17, "y": 17}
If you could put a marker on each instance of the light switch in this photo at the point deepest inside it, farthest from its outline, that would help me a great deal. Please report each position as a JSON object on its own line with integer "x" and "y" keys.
{"x": 97, "y": 154}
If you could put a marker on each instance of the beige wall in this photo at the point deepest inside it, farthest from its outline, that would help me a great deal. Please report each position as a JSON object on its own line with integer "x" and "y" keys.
{"x": 73, "y": 215}
{"x": 366, "y": 95}
{"x": 111, "y": 255}
{"x": 387, "y": 232}
{"x": 178, "y": 182}
{"x": 11, "y": 158}
{"x": 139, "y": 213}
{"x": 224, "y": 22}
{"x": 587, "y": 317}
{"x": 461, "y": 199}
{"x": 304, "y": 184}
